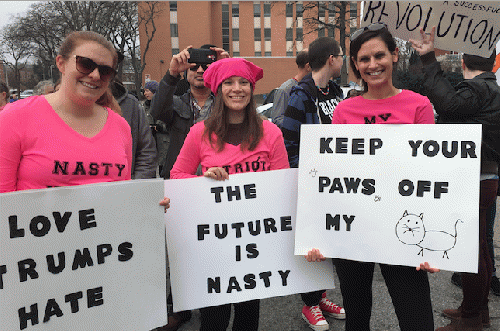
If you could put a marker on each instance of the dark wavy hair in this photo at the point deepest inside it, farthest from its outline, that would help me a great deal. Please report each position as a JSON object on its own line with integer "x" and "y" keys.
{"x": 218, "y": 123}
{"x": 356, "y": 44}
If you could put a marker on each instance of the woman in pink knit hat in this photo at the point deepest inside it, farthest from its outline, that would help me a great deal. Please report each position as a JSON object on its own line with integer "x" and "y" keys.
{"x": 234, "y": 139}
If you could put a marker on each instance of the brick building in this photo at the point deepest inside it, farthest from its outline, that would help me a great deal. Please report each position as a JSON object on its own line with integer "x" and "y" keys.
{"x": 267, "y": 33}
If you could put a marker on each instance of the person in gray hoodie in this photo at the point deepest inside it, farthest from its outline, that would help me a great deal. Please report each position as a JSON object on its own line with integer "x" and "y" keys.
{"x": 144, "y": 155}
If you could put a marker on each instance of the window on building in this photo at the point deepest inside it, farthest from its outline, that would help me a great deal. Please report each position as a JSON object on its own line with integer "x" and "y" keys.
{"x": 299, "y": 8}
{"x": 258, "y": 53}
{"x": 289, "y": 34}
{"x": 236, "y": 34}
{"x": 267, "y": 10}
{"x": 256, "y": 35}
{"x": 267, "y": 54}
{"x": 289, "y": 10}
{"x": 236, "y": 10}
{"x": 299, "y": 33}
{"x": 175, "y": 51}
{"x": 174, "y": 30}
{"x": 173, "y": 5}
{"x": 256, "y": 10}
{"x": 225, "y": 26}
{"x": 267, "y": 34}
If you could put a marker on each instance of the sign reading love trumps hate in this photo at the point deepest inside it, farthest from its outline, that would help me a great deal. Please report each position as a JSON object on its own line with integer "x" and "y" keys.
{"x": 395, "y": 194}
{"x": 88, "y": 257}
{"x": 232, "y": 241}
{"x": 472, "y": 27}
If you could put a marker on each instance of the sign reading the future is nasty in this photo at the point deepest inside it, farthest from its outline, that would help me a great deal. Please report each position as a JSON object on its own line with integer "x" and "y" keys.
{"x": 395, "y": 194}
{"x": 232, "y": 241}
{"x": 461, "y": 26}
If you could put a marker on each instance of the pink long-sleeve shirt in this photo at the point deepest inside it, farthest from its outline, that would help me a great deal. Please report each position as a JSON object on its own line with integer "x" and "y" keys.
{"x": 406, "y": 107}
{"x": 39, "y": 150}
{"x": 270, "y": 154}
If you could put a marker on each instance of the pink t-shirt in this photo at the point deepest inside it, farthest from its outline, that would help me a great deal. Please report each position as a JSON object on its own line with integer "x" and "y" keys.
{"x": 406, "y": 107}
{"x": 39, "y": 150}
{"x": 270, "y": 154}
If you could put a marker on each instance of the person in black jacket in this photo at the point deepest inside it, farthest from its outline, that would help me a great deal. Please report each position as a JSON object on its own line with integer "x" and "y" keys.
{"x": 179, "y": 113}
{"x": 475, "y": 100}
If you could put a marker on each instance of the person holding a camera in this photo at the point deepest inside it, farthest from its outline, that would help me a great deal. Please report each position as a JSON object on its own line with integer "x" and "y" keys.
{"x": 180, "y": 113}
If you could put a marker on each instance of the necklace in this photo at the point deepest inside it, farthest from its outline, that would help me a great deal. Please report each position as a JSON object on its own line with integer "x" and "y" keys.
{"x": 321, "y": 90}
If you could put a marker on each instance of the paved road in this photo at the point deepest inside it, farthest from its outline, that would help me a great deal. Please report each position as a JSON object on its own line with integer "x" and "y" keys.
{"x": 283, "y": 313}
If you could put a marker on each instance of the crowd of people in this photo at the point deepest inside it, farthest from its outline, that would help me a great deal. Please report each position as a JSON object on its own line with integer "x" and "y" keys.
{"x": 180, "y": 132}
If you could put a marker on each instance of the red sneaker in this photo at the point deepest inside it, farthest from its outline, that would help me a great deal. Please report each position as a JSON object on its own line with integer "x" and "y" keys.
{"x": 314, "y": 318}
{"x": 331, "y": 309}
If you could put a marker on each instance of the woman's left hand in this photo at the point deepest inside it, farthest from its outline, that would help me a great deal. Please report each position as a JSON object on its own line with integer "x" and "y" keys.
{"x": 314, "y": 255}
{"x": 165, "y": 203}
{"x": 216, "y": 173}
{"x": 425, "y": 266}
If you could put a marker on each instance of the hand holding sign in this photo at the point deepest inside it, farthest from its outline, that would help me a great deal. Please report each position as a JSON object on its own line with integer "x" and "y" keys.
{"x": 426, "y": 45}
{"x": 314, "y": 255}
{"x": 217, "y": 173}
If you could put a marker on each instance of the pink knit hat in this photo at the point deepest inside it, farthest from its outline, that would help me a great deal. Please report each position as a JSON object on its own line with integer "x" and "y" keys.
{"x": 221, "y": 70}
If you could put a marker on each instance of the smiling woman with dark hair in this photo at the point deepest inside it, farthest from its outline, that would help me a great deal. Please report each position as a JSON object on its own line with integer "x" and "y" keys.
{"x": 232, "y": 138}
{"x": 373, "y": 54}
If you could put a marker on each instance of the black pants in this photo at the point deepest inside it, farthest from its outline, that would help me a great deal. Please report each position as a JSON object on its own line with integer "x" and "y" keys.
{"x": 246, "y": 317}
{"x": 408, "y": 288}
{"x": 476, "y": 287}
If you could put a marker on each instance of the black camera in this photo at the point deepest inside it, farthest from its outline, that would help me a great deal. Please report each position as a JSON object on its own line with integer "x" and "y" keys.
{"x": 202, "y": 55}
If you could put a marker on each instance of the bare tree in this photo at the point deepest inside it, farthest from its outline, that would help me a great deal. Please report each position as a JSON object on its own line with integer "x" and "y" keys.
{"x": 18, "y": 49}
{"x": 46, "y": 24}
{"x": 148, "y": 13}
{"x": 337, "y": 13}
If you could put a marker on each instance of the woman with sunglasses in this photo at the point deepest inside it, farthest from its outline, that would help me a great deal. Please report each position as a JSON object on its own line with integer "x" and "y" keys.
{"x": 67, "y": 137}
{"x": 232, "y": 137}
{"x": 373, "y": 55}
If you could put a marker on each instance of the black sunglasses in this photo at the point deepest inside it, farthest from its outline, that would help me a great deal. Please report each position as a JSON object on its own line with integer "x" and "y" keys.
{"x": 85, "y": 66}
{"x": 195, "y": 68}
{"x": 372, "y": 27}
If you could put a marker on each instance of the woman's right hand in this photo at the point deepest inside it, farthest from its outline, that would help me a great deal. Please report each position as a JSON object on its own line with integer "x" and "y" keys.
{"x": 314, "y": 255}
{"x": 216, "y": 173}
{"x": 179, "y": 62}
{"x": 426, "y": 44}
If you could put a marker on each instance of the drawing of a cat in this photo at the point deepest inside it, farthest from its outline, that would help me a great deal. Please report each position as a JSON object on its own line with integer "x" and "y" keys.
{"x": 410, "y": 230}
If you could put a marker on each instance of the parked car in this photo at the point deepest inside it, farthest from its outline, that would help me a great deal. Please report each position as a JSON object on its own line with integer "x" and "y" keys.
{"x": 25, "y": 94}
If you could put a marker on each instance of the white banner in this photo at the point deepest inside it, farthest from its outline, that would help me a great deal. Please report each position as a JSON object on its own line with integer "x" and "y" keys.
{"x": 395, "y": 194}
{"x": 461, "y": 26}
{"x": 88, "y": 257}
{"x": 232, "y": 241}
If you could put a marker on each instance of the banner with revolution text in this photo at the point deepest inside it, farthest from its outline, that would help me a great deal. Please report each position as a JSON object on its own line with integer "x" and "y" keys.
{"x": 395, "y": 194}
{"x": 232, "y": 241}
{"x": 461, "y": 26}
{"x": 88, "y": 257}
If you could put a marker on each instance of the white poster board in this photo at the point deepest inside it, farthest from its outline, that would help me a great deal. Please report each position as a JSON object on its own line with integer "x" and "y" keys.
{"x": 88, "y": 257}
{"x": 461, "y": 26}
{"x": 232, "y": 241}
{"x": 388, "y": 194}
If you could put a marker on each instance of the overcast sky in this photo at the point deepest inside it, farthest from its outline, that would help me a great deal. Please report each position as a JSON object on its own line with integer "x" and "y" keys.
{"x": 9, "y": 9}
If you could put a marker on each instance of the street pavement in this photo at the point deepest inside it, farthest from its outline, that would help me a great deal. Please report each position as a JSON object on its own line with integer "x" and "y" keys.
{"x": 284, "y": 313}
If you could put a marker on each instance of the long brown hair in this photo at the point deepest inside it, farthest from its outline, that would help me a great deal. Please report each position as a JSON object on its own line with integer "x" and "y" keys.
{"x": 218, "y": 123}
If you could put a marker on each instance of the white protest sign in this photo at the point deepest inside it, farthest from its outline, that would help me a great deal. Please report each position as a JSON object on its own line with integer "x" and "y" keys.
{"x": 232, "y": 241}
{"x": 395, "y": 194}
{"x": 461, "y": 26}
{"x": 88, "y": 257}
